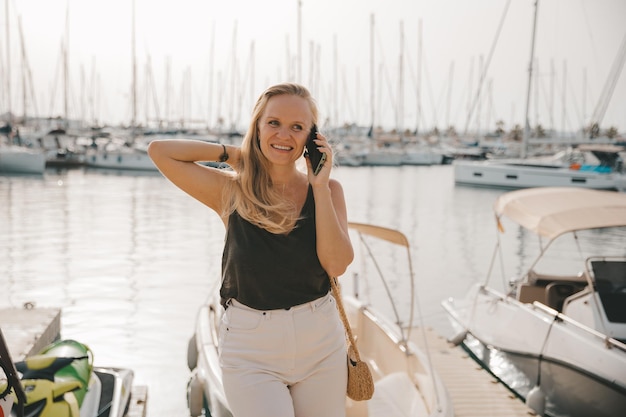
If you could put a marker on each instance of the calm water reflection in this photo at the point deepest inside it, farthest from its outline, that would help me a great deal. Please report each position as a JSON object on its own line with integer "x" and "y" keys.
{"x": 129, "y": 258}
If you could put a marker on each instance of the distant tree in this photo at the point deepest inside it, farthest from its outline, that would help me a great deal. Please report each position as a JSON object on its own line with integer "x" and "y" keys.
{"x": 451, "y": 131}
{"x": 499, "y": 127}
{"x": 540, "y": 132}
{"x": 611, "y": 132}
{"x": 593, "y": 131}
{"x": 516, "y": 133}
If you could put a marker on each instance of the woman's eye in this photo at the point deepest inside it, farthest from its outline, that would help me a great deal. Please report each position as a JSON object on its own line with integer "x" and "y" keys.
{"x": 297, "y": 128}
{"x": 273, "y": 123}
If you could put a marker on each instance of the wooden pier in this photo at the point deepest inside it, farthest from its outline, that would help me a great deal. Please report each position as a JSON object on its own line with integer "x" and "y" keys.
{"x": 473, "y": 390}
{"x": 28, "y": 330}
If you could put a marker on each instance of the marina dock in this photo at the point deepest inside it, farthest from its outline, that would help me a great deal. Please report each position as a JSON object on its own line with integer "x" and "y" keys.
{"x": 473, "y": 390}
{"x": 28, "y": 330}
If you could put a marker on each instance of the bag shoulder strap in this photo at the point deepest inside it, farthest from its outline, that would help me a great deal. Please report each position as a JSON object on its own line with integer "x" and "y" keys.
{"x": 344, "y": 318}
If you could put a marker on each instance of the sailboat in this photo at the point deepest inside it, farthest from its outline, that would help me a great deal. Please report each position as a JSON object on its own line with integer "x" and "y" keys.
{"x": 15, "y": 158}
{"x": 598, "y": 167}
{"x": 124, "y": 154}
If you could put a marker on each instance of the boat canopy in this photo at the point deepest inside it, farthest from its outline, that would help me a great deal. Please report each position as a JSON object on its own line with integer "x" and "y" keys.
{"x": 552, "y": 211}
{"x": 380, "y": 232}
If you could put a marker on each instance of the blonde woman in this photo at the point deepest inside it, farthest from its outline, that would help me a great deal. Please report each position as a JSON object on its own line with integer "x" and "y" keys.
{"x": 282, "y": 345}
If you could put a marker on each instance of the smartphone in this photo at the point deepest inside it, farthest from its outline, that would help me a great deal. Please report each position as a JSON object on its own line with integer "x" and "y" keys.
{"x": 316, "y": 157}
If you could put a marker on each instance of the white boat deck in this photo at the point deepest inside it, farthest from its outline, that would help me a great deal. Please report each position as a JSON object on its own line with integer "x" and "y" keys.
{"x": 474, "y": 391}
{"x": 28, "y": 331}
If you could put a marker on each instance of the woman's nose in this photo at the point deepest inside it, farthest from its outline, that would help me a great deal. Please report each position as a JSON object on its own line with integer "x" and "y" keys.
{"x": 283, "y": 132}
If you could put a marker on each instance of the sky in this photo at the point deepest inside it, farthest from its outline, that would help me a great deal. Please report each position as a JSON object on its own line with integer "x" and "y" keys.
{"x": 207, "y": 61}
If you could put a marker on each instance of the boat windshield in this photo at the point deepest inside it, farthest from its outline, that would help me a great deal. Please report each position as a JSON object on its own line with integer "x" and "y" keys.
{"x": 610, "y": 281}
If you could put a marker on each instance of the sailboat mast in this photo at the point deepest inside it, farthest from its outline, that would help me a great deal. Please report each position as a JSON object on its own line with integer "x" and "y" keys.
{"x": 134, "y": 80}
{"x": 66, "y": 52}
{"x": 419, "y": 77}
{"x": 8, "y": 42}
{"x": 400, "y": 105}
{"x": 299, "y": 62}
{"x": 530, "y": 76}
{"x": 24, "y": 72}
{"x": 372, "y": 72}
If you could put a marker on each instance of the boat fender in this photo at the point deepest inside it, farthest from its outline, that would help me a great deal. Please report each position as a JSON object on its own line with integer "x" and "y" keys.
{"x": 458, "y": 338}
{"x": 195, "y": 396}
{"x": 192, "y": 353}
{"x": 536, "y": 400}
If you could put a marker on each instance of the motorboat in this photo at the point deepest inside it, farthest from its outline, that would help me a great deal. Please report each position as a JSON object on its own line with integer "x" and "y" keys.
{"x": 555, "y": 334}
{"x": 588, "y": 166}
{"x": 405, "y": 382}
{"x": 61, "y": 381}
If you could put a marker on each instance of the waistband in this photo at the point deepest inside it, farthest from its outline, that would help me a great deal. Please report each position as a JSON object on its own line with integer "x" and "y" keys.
{"x": 311, "y": 305}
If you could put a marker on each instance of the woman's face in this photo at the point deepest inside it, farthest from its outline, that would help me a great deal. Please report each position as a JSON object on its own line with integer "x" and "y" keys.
{"x": 284, "y": 128}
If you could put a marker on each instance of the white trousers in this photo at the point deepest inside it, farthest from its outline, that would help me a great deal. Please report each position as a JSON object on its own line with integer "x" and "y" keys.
{"x": 284, "y": 363}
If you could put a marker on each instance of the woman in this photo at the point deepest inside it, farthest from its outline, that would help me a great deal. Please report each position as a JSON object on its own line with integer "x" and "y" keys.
{"x": 282, "y": 345}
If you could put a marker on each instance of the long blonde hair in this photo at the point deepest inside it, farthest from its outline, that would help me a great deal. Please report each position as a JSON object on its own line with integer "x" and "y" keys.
{"x": 251, "y": 192}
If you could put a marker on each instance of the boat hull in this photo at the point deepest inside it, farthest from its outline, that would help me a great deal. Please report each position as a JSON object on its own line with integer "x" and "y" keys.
{"x": 524, "y": 344}
{"x": 510, "y": 175}
{"x": 20, "y": 160}
{"x": 126, "y": 160}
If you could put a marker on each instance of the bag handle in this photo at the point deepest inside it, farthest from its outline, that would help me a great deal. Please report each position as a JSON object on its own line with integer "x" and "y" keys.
{"x": 344, "y": 318}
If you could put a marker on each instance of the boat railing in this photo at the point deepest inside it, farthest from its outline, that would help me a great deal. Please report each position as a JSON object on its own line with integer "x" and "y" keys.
{"x": 608, "y": 341}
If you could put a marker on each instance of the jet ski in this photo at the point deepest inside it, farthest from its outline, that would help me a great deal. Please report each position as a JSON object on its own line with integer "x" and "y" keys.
{"x": 61, "y": 381}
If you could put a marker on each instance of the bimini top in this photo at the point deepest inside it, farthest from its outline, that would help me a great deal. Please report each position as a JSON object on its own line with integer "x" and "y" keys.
{"x": 552, "y": 211}
{"x": 380, "y": 232}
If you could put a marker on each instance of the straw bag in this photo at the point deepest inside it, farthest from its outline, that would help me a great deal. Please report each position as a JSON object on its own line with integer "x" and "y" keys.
{"x": 360, "y": 382}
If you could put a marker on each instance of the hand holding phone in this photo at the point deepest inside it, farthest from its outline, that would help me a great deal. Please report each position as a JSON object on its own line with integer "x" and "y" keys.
{"x": 312, "y": 152}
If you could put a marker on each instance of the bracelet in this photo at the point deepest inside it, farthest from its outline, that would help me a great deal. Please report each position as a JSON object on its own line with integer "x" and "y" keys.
{"x": 224, "y": 155}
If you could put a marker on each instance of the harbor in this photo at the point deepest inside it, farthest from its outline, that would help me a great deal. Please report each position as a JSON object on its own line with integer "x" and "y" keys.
{"x": 442, "y": 116}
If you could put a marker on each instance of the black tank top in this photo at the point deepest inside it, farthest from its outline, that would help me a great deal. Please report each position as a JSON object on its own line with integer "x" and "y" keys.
{"x": 268, "y": 271}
